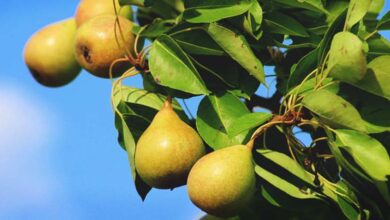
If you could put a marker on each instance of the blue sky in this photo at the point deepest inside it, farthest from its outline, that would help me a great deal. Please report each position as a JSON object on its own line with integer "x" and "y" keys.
{"x": 59, "y": 157}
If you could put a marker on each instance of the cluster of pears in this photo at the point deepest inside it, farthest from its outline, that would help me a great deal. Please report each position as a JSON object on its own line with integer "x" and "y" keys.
{"x": 170, "y": 153}
{"x": 56, "y": 53}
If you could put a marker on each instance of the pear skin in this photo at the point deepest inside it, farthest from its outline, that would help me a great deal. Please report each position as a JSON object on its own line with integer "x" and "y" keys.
{"x": 223, "y": 182}
{"x": 167, "y": 150}
{"x": 97, "y": 47}
{"x": 49, "y": 54}
{"x": 88, "y": 9}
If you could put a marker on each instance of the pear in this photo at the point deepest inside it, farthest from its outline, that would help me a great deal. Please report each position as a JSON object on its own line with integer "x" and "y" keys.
{"x": 97, "y": 45}
{"x": 88, "y": 9}
{"x": 223, "y": 182}
{"x": 49, "y": 54}
{"x": 167, "y": 150}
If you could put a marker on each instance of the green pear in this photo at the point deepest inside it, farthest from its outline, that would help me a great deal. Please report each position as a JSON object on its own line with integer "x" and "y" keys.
{"x": 223, "y": 182}
{"x": 167, "y": 150}
{"x": 49, "y": 54}
{"x": 97, "y": 45}
{"x": 88, "y": 9}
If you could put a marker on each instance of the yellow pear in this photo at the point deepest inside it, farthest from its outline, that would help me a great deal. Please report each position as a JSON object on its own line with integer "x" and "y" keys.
{"x": 167, "y": 150}
{"x": 97, "y": 45}
{"x": 88, "y": 9}
{"x": 49, "y": 54}
{"x": 222, "y": 182}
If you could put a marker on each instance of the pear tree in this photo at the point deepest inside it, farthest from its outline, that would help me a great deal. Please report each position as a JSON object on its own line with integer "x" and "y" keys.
{"x": 315, "y": 145}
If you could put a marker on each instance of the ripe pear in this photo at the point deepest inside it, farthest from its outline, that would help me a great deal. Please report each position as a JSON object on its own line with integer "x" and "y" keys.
{"x": 223, "y": 182}
{"x": 88, "y": 9}
{"x": 97, "y": 45}
{"x": 167, "y": 150}
{"x": 49, "y": 54}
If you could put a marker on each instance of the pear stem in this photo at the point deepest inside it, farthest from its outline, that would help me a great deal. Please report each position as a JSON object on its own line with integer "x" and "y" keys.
{"x": 251, "y": 144}
{"x": 168, "y": 102}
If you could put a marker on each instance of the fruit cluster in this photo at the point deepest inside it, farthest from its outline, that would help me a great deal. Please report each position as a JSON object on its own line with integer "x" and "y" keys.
{"x": 91, "y": 40}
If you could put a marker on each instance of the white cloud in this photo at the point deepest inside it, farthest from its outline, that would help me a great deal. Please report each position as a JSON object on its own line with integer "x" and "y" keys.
{"x": 28, "y": 183}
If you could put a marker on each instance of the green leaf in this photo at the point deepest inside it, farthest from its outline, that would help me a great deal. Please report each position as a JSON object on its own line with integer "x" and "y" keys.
{"x": 347, "y": 61}
{"x": 215, "y": 117}
{"x": 335, "y": 8}
{"x": 253, "y": 20}
{"x": 198, "y": 42}
{"x": 378, "y": 46}
{"x": 297, "y": 191}
{"x": 377, "y": 78}
{"x": 283, "y": 24}
{"x": 171, "y": 67}
{"x": 250, "y": 22}
{"x": 347, "y": 201}
{"x": 374, "y": 10}
{"x": 132, "y": 2}
{"x": 304, "y": 66}
{"x": 289, "y": 165}
{"x": 356, "y": 11}
{"x": 247, "y": 86}
{"x": 334, "y": 28}
{"x": 238, "y": 48}
{"x": 143, "y": 97}
{"x": 248, "y": 122}
{"x": 313, "y": 5}
{"x": 334, "y": 110}
{"x": 157, "y": 28}
{"x": 384, "y": 23}
{"x": 206, "y": 11}
{"x": 127, "y": 141}
{"x": 373, "y": 109}
{"x": 367, "y": 152}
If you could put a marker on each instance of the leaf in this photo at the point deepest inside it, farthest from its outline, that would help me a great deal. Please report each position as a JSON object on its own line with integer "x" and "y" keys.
{"x": 248, "y": 122}
{"x": 374, "y": 10}
{"x": 334, "y": 28}
{"x": 300, "y": 70}
{"x": 377, "y": 78}
{"x": 132, "y": 2}
{"x": 334, "y": 110}
{"x": 301, "y": 191}
{"x": 367, "y": 152}
{"x": 356, "y": 11}
{"x": 347, "y": 201}
{"x": 283, "y": 24}
{"x": 171, "y": 67}
{"x": 347, "y": 61}
{"x": 157, "y": 28}
{"x": 238, "y": 48}
{"x": 384, "y": 23}
{"x": 215, "y": 117}
{"x": 247, "y": 86}
{"x": 335, "y": 8}
{"x": 145, "y": 98}
{"x": 198, "y": 42}
{"x": 373, "y": 109}
{"x": 251, "y": 21}
{"x": 206, "y": 11}
{"x": 128, "y": 142}
{"x": 378, "y": 45}
{"x": 289, "y": 165}
{"x": 313, "y": 5}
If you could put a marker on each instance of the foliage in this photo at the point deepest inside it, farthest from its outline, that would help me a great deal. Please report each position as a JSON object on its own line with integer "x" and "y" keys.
{"x": 332, "y": 71}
